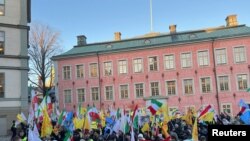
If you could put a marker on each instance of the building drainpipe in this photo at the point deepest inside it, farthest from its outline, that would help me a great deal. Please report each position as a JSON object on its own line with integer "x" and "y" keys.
{"x": 99, "y": 78}
{"x": 215, "y": 76}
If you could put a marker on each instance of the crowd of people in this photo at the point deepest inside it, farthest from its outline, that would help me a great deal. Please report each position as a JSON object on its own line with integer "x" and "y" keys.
{"x": 178, "y": 130}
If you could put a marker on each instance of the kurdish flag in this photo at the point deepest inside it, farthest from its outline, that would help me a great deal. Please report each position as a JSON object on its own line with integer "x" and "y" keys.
{"x": 155, "y": 105}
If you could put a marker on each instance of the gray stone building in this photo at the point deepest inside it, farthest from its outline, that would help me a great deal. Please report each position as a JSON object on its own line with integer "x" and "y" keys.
{"x": 14, "y": 18}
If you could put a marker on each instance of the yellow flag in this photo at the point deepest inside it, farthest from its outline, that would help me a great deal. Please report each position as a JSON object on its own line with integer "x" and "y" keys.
{"x": 19, "y": 118}
{"x": 102, "y": 116}
{"x": 165, "y": 121}
{"x": 86, "y": 124}
{"x": 83, "y": 111}
{"x": 165, "y": 113}
{"x": 46, "y": 125}
{"x": 145, "y": 127}
{"x": 188, "y": 117}
{"x": 78, "y": 123}
{"x": 208, "y": 117}
{"x": 195, "y": 131}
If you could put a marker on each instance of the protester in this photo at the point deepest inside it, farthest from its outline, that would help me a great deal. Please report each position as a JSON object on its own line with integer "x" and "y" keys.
{"x": 13, "y": 130}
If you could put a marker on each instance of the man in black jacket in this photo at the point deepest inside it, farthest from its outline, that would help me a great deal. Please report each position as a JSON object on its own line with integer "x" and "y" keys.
{"x": 13, "y": 129}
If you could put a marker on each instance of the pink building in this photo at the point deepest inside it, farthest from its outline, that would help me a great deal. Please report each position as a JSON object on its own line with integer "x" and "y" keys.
{"x": 182, "y": 69}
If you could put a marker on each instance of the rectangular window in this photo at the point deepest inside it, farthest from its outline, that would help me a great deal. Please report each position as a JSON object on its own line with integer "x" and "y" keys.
{"x": 223, "y": 82}
{"x": 242, "y": 81}
{"x": 81, "y": 95}
{"x": 66, "y": 73}
{"x": 95, "y": 93}
{"x": 2, "y": 86}
{"x": 203, "y": 58}
{"x": 109, "y": 92}
{"x": 138, "y": 66}
{"x": 171, "y": 87}
{"x": 2, "y": 39}
{"x": 205, "y": 85}
{"x": 239, "y": 55}
{"x": 186, "y": 60}
{"x": 123, "y": 66}
{"x": 124, "y": 91}
{"x": 153, "y": 64}
{"x": 67, "y": 96}
{"x": 154, "y": 88}
{"x": 107, "y": 68}
{"x": 2, "y": 7}
{"x": 79, "y": 71}
{"x": 139, "y": 90}
{"x": 93, "y": 70}
{"x": 169, "y": 61}
{"x": 221, "y": 56}
{"x": 188, "y": 86}
{"x": 227, "y": 108}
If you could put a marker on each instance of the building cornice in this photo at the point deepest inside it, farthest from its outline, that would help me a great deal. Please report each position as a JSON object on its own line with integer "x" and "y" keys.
{"x": 14, "y": 26}
{"x": 10, "y": 99}
{"x": 155, "y": 97}
{"x": 13, "y": 68}
{"x": 14, "y": 56}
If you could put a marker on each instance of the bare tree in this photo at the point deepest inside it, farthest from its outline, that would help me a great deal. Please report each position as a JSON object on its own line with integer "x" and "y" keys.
{"x": 44, "y": 43}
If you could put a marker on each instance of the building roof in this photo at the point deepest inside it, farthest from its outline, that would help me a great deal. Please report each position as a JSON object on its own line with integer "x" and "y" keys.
{"x": 157, "y": 40}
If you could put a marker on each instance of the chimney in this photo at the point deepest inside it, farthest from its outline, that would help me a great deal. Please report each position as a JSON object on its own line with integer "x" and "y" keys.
{"x": 118, "y": 36}
{"x": 231, "y": 20}
{"x": 172, "y": 29}
{"x": 81, "y": 40}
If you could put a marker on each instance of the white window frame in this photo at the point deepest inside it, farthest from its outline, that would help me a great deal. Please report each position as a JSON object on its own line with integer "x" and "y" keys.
{"x": 231, "y": 108}
{"x": 90, "y": 69}
{"x": 157, "y": 63}
{"x": 216, "y": 56}
{"x": 120, "y": 95}
{"x": 70, "y": 68}
{"x": 183, "y": 86}
{"x": 191, "y": 60}
{"x": 71, "y": 99}
{"x": 118, "y": 65}
{"x": 3, "y": 42}
{"x": 4, "y": 87}
{"x": 208, "y": 58}
{"x": 78, "y": 94}
{"x": 76, "y": 71}
{"x": 143, "y": 85}
{"x": 91, "y": 93}
{"x": 229, "y": 84}
{"x": 237, "y": 81}
{"x": 104, "y": 68}
{"x": 176, "y": 89}
{"x": 165, "y": 65}
{"x": 137, "y": 64}
{"x": 159, "y": 84}
{"x": 211, "y": 86}
{"x": 113, "y": 93}
{"x": 4, "y": 6}
{"x": 245, "y": 54}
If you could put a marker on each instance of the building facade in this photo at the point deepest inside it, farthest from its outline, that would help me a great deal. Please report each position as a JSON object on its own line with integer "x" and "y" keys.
{"x": 14, "y": 17}
{"x": 182, "y": 69}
